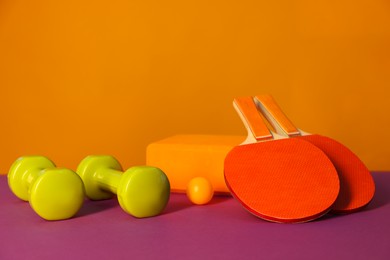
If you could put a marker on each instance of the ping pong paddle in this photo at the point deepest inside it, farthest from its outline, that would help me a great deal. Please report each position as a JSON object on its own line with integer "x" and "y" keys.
{"x": 284, "y": 180}
{"x": 357, "y": 186}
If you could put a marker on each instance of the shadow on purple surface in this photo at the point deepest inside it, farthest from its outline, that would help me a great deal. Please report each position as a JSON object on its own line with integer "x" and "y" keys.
{"x": 382, "y": 192}
{"x": 381, "y": 197}
{"x": 93, "y": 207}
{"x": 176, "y": 203}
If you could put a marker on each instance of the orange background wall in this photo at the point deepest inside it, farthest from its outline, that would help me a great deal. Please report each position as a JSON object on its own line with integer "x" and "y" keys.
{"x": 92, "y": 77}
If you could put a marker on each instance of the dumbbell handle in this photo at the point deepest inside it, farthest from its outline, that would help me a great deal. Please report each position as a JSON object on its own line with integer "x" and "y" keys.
{"x": 108, "y": 179}
{"x": 31, "y": 175}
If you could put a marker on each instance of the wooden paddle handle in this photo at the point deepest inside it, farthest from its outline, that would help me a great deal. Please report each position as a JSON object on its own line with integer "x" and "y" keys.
{"x": 275, "y": 115}
{"x": 253, "y": 121}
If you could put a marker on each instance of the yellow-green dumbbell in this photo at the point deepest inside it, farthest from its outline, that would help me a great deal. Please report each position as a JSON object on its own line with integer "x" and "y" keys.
{"x": 53, "y": 193}
{"x": 142, "y": 191}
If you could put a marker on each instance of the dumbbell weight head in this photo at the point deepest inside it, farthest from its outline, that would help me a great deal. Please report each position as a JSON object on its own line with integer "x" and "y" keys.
{"x": 54, "y": 193}
{"x": 144, "y": 191}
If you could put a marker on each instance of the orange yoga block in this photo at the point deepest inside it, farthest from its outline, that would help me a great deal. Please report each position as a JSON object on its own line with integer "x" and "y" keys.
{"x": 184, "y": 157}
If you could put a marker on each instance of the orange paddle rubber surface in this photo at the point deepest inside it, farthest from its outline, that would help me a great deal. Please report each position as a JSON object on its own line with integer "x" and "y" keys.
{"x": 357, "y": 186}
{"x": 284, "y": 180}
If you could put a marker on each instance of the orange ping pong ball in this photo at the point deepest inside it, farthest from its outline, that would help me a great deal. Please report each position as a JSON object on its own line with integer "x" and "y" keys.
{"x": 200, "y": 191}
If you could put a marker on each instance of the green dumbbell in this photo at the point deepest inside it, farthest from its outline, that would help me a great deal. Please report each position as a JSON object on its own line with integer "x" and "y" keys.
{"x": 142, "y": 191}
{"x": 53, "y": 193}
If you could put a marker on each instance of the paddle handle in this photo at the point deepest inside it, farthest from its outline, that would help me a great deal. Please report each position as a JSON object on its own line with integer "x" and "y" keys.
{"x": 274, "y": 114}
{"x": 253, "y": 121}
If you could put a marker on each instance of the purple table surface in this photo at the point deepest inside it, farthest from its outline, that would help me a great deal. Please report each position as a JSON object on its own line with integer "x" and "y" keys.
{"x": 219, "y": 230}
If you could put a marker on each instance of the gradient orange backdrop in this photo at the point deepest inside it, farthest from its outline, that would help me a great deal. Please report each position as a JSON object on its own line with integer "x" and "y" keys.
{"x": 109, "y": 77}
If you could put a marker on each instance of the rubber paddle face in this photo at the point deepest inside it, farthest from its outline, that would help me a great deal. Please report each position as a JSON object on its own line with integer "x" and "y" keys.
{"x": 357, "y": 186}
{"x": 287, "y": 180}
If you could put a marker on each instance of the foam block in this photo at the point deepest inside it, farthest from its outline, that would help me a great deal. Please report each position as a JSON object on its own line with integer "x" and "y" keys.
{"x": 184, "y": 157}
